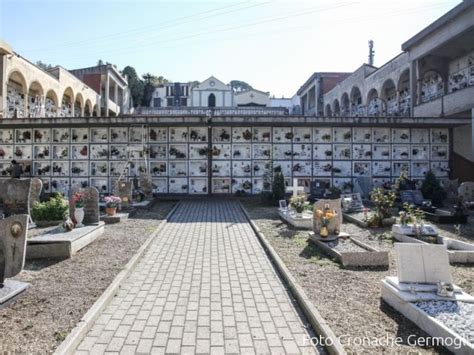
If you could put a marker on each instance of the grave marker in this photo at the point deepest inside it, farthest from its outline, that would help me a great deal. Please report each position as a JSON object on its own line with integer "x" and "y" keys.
{"x": 334, "y": 226}
{"x": 295, "y": 188}
{"x": 146, "y": 186}
{"x": 352, "y": 202}
{"x": 318, "y": 189}
{"x": 90, "y": 198}
{"x": 422, "y": 263}
{"x": 13, "y": 231}
{"x": 35, "y": 190}
{"x": 123, "y": 189}
{"x": 16, "y": 196}
{"x": 363, "y": 185}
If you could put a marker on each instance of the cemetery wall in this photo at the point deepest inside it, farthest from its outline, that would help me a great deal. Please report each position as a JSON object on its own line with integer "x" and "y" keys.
{"x": 243, "y": 152}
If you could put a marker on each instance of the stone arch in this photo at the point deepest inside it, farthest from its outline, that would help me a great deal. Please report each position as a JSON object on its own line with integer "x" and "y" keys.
{"x": 211, "y": 100}
{"x": 16, "y": 94}
{"x": 79, "y": 105}
{"x": 51, "y": 103}
{"x": 35, "y": 99}
{"x": 404, "y": 96}
{"x": 345, "y": 105}
{"x": 432, "y": 85}
{"x": 389, "y": 95}
{"x": 328, "y": 111}
{"x": 374, "y": 103}
{"x": 88, "y": 108}
{"x": 67, "y": 101}
{"x": 336, "y": 108}
{"x": 95, "y": 111}
{"x": 357, "y": 104}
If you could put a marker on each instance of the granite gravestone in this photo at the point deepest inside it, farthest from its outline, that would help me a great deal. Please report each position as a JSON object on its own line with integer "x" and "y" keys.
{"x": 15, "y": 194}
{"x": 352, "y": 202}
{"x": 422, "y": 263}
{"x": 451, "y": 188}
{"x": 146, "y": 185}
{"x": 90, "y": 202}
{"x": 363, "y": 185}
{"x": 35, "y": 191}
{"x": 124, "y": 189}
{"x": 317, "y": 190}
{"x": 13, "y": 232}
{"x": 334, "y": 226}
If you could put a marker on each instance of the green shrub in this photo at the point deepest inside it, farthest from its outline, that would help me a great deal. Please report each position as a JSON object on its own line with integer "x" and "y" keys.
{"x": 383, "y": 201}
{"x": 432, "y": 189}
{"x": 278, "y": 188}
{"x": 53, "y": 210}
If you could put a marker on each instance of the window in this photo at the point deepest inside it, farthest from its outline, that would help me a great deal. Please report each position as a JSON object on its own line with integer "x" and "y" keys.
{"x": 169, "y": 102}
{"x": 157, "y": 102}
{"x": 184, "y": 101}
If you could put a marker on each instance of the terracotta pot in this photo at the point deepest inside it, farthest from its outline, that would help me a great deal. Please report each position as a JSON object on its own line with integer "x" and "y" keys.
{"x": 111, "y": 211}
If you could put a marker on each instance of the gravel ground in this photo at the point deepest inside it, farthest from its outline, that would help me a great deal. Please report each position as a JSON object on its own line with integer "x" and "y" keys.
{"x": 457, "y": 316}
{"x": 349, "y": 299}
{"x": 61, "y": 292}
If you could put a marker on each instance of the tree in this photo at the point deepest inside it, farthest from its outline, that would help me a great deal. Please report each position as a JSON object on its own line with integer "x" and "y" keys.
{"x": 278, "y": 188}
{"x": 43, "y": 66}
{"x": 150, "y": 83}
{"x": 239, "y": 86}
{"x": 433, "y": 190}
{"x": 136, "y": 85}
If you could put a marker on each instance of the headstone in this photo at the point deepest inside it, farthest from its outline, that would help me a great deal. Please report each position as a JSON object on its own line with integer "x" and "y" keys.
{"x": 334, "y": 226}
{"x": 451, "y": 188}
{"x": 90, "y": 200}
{"x": 407, "y": 197}
{"x": 466, "y": 191}
{"x": 352, "y": 202}
{"x": 418, "y": 197}
{"x": 363, "y": 185}
{"x": 15, "y": 194}
{"x": 35, "y": 191}
{"x": 318, "y": 189}
{"x": 13, "y": 232}
{"x": 295, "y": 188}
{"x": 422, "y": 263}
{"x": 146, "y": 185}
{"x": 283, "y": 205}
{"x": 123, "y": 189}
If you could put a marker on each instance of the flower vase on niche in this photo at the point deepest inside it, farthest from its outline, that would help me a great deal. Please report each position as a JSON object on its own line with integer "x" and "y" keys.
{"x": 78, "y": 209}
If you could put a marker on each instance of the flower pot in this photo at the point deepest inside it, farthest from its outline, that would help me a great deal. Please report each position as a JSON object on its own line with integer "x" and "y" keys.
{"x": 79, "y": 216}
{"x": 111, "y": 211}
{"x": 323, "y": 232}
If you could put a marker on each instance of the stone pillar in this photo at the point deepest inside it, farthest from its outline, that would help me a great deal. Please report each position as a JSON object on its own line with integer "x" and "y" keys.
{"x": 116, "y": 93}
{"x": 73, "y": 109}
{"x": 413, "y": 85}
{"x": 106, "y": 103}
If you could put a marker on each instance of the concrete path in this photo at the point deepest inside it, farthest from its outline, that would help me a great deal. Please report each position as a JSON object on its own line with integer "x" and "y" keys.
{"x": 205, "y": 285}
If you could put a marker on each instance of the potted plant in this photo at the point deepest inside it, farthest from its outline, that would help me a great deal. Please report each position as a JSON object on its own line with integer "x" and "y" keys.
{"x": 299, "y": 204}
{"x": 78, "y": 209}
{"x": 383, "y": 205}
{"x": 111, "y": 204}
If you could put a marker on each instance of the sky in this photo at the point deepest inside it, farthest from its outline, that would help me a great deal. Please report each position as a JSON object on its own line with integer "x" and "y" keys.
{"x": 274, "y": 45}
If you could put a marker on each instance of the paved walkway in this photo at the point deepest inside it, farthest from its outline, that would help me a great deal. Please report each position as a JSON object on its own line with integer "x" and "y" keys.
{"x": 205, "y": 285}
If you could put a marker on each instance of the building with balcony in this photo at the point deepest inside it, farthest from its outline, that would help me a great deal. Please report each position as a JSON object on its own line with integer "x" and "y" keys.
{"x": 111, "y": 85}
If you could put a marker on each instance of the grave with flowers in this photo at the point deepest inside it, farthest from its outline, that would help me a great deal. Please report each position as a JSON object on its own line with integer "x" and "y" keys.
{"x": 112, "y": 204}
{"x": 81, "y": 227}
{"x": 298, "y": 214}
{"x": 346, "y": 249}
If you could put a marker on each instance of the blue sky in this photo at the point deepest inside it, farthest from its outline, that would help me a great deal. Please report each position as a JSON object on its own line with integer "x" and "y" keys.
{"x": 274, "y": 45}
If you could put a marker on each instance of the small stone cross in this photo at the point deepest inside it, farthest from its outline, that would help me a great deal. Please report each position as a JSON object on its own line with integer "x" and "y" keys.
{"x": 295, "y": 188}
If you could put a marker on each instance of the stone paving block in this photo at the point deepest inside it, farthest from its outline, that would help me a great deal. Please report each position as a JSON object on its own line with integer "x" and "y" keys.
{"x": 205, "y": 285}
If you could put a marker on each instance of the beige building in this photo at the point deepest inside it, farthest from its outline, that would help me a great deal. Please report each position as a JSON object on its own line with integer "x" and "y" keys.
{"x": 252, "y": 97}
{"x": 29, "y": 91}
